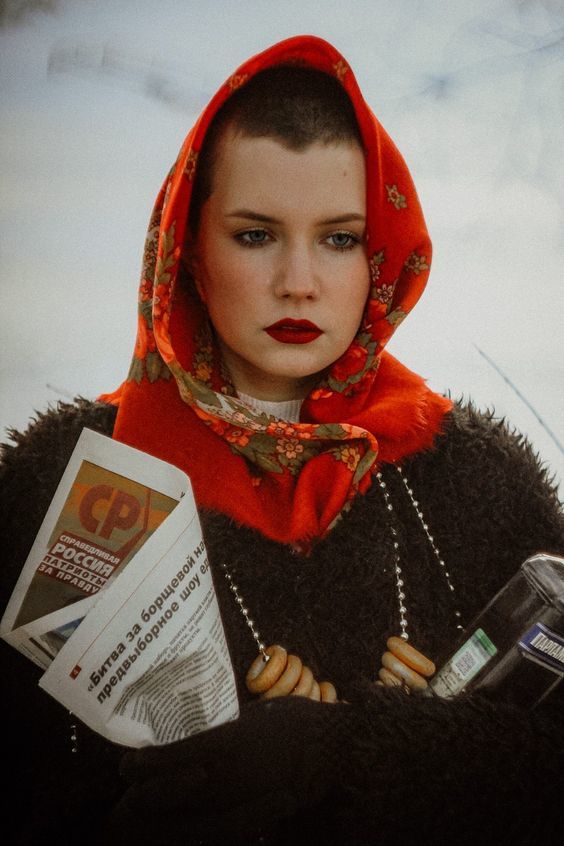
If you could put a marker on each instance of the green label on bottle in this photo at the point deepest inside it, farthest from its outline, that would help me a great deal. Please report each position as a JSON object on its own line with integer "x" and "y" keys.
{"x": 464, "y": 665}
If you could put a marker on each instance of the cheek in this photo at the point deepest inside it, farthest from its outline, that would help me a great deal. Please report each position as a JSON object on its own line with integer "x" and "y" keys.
{"x": 212, "y": 280}
{"x": 235, "y": 291}
{"x": 356, "y": 303}
{"x": 357, "y": 293}
{"x": 226, "y": 300}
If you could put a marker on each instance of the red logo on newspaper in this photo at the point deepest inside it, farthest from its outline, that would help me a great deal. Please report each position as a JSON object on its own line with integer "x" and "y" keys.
{"x": 75, "y": 671}
{"x": 79, "y": 563}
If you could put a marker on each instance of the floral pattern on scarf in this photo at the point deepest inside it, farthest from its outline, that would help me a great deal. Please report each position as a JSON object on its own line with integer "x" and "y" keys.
{"x": 340, "y": 416}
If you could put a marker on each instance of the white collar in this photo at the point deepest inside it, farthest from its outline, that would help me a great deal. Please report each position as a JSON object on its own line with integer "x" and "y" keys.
{"x": 287, "y": 410}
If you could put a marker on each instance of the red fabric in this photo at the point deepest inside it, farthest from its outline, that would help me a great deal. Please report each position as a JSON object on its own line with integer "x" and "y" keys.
{"x": 289, "y": 480}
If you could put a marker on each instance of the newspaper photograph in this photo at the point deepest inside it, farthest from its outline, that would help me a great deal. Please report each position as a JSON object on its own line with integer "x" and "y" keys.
{"x": 40, "y": 640}
{"x": 110, "y": 499}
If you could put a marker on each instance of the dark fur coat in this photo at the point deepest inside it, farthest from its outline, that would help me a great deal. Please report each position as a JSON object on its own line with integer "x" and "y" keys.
{"x": 380, "y": 767}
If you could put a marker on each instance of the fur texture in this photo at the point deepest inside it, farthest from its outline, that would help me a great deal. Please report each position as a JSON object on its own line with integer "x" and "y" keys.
{"x": 385, "y": 766}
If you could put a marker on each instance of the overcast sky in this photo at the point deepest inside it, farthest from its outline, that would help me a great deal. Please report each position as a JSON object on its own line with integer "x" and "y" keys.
{"x": 97, "y": 97}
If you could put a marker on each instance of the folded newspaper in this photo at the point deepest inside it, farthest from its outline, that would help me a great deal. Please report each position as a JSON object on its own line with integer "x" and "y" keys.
{"x": 116, "y": 601}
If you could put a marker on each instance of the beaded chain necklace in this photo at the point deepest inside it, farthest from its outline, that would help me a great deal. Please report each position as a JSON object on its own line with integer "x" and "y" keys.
{"x": 275, "y": 673}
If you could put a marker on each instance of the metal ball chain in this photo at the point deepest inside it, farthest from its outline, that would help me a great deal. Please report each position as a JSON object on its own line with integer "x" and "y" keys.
{"x": 73, "y": 734}
{"x": 398, "y": 573}
{"x": 244, "y": 611}
{"x": 397, "y": 561}
{"x": 431, "y": 540}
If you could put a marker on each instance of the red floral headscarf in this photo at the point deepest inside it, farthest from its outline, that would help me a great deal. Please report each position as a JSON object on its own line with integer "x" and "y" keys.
{"x": 289, "y": 480}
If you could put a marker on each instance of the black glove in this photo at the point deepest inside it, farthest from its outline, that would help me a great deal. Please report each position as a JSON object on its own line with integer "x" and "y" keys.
{"x": 229, "y": 784}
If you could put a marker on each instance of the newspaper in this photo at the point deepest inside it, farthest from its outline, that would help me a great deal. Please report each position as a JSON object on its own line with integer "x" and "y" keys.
{"x": 137, "y": 652}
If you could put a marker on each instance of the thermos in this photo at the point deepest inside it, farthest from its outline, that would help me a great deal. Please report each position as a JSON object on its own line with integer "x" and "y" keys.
{"x": 515, "y": 647}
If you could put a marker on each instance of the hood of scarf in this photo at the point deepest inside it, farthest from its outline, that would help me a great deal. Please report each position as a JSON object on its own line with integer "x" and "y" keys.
{"x": 291, "y": 481}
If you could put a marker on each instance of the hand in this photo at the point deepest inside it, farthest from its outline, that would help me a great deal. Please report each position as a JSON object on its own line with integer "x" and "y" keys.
{"x": 241, "y": 777}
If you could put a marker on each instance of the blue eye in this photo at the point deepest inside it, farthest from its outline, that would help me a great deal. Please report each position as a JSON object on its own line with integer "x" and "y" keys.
{"x": 253, "y": 237}
{"x": 343, "y": 240}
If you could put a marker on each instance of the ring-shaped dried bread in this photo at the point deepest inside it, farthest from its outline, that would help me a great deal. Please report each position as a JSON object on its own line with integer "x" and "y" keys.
{"x": 287, "y": 680}
{"x": 327, "y": 691}
{"x": 315, "y": 692}
{"x": 410, "y": 656}
{"x": 263, "y": 674}
{"x": 305, "y": 683}
{"x": 403, "y": 672}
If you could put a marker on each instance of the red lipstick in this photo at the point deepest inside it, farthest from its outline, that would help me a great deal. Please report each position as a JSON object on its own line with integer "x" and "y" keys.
{"x": 289, "y": 331}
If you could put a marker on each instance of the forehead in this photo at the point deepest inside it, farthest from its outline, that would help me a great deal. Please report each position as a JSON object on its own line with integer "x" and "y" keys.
{"x": 259, "y": 172}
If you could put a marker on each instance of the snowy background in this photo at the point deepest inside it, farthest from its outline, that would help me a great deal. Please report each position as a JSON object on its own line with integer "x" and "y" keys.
{"x": 98, "y": 95}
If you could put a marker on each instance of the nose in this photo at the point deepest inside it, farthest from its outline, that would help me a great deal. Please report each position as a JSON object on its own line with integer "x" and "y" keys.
{"x": 296, "y": 274}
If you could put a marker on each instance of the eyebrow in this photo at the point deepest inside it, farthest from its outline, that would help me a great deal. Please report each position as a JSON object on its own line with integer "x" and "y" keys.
{"x": 249, "y": 214}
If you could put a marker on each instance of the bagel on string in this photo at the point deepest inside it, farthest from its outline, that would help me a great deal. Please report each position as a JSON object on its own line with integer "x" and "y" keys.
{"x": 281, "y": 674}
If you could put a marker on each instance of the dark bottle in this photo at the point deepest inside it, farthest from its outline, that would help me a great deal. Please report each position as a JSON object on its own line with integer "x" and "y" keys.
{"x": 515, "y": 647}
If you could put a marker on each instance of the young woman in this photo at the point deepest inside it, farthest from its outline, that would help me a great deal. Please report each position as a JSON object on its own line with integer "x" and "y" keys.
{"x": 343, "y": 503}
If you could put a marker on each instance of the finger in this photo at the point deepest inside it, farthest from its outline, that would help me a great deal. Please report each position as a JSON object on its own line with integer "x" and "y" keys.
{"x": 410, "y": 656}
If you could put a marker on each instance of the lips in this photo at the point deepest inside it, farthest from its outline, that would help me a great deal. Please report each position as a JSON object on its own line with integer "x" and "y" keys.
{"x": 289, "y": 331}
